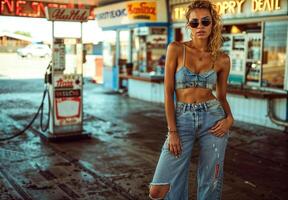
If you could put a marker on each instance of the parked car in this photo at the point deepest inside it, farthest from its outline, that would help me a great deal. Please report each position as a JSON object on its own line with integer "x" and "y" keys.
{"x": 37, "y": 50}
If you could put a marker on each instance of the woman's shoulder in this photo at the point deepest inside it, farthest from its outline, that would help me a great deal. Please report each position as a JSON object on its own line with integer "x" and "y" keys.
{"x": 175, "y": 45}
{"x": 223, "y": 59}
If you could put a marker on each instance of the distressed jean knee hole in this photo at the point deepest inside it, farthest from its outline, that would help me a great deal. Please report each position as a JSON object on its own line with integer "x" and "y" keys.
{"x": 159, "y": 191}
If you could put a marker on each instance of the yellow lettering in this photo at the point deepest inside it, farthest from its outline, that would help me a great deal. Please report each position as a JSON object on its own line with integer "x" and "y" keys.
{"x": 239, "y": 5}
{"x": 176, "y": 13}
{"x": 236, "y": 6}
{"x": 253, "y": 6}
{"x": 219, "y": 8}
{"x": 182, "y": 13}
{"x": 267, "y": 5}
{"x": 232, "y": 7}
{"x": 179, "y": 13}
{"x": 272, "y": 5}
{"x": 260, "y": 5}
{"x": 225, "y": 6}
{"x": 277, "y": 6}
{"x": 257, "y": 5}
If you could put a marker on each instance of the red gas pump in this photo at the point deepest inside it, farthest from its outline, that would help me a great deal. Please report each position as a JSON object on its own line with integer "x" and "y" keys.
{"x": 65, "y": 84}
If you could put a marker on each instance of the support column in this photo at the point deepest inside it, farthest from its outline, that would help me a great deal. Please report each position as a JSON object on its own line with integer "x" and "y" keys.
{"x": 116, "y": 67}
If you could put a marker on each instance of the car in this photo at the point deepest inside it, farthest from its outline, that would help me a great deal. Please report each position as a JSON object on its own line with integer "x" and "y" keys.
{"x": 37, "y": 50}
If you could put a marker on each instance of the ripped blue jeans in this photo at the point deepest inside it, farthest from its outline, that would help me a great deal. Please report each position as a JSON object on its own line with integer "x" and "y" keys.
{"x": 194, "y": 121}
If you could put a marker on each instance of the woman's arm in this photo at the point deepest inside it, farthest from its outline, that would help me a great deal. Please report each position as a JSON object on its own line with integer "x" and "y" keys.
{"x": 170, "y": 68}
{"x": 222, "y": 126}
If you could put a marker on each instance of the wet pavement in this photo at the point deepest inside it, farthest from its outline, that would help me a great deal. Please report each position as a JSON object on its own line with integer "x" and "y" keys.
{"x": 118, "y": 161}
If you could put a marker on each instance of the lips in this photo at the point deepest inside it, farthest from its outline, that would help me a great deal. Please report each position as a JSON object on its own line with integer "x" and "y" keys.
{"x": 200, "y": 32}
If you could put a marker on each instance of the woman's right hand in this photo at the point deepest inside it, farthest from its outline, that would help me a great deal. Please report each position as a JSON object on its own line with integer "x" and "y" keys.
{"x": 174, "y": 144}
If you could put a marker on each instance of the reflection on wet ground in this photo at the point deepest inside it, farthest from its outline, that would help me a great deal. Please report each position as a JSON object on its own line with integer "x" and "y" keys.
{"x": 119, "y": 160}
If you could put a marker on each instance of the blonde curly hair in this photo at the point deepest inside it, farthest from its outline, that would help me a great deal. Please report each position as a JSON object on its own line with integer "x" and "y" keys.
{"x": 215, "y": 38}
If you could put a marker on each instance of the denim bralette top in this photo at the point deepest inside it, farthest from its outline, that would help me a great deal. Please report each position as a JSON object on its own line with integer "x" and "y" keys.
{"x": 185, "y": 78}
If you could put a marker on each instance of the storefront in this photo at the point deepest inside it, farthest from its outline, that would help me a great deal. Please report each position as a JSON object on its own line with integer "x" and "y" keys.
{"x": 135, "y": 46}
{"x": 255, "y": 37}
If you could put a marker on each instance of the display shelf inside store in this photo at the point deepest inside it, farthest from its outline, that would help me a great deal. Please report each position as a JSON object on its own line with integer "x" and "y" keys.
{"x": 254, "y": 53}
{"x": 237, "y": 62}
{"x": 227, "y": 44}
{"x": 238, "y": 43}
{"x": 253, "y": 60}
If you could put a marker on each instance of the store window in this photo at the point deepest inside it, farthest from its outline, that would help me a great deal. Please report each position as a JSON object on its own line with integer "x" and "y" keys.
{"x": 139, "y": 52}
{"x": 274, "y": 54}
{"x": 178, "y": 36}
{"x": 242, "y": 42}
{"x": 124, "y": 58}
{"x": 109, "y": 48}
{"x": 149, "y": 49}
{"x": 182, "y": 34}
{"x": 186, "y": 34}
{"x": 124, "y": 47}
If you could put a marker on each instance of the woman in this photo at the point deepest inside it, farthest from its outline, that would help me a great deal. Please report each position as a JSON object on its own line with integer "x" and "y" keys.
{"x": 192, "y": 70}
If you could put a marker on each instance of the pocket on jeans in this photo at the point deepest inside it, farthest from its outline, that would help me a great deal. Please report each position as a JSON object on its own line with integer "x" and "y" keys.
{"x": 217, "y": 110}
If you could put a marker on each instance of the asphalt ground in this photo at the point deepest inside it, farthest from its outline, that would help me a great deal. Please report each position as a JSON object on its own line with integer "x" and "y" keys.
{"x": 118, "y": 161}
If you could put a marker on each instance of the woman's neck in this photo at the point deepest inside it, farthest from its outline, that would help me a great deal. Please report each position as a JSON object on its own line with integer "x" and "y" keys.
{"x": 200, "y": 45}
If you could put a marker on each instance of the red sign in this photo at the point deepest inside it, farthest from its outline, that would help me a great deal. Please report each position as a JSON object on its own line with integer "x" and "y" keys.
{"x": 142, "y": 10}
{"x": 37, "y": 9}
{"x": 64, "y": 84}
{"x": 67, "y": 93}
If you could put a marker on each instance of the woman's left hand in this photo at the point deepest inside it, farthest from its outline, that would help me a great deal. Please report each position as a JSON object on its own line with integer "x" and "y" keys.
{"x": 221, "y": 127}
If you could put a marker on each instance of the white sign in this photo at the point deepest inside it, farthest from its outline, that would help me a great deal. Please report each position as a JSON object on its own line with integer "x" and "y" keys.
{"x": 67, "y": 14}
{"x": 68, "y": 100}
{"x": 59, "y": 56}
{"x": 131, "y": 12}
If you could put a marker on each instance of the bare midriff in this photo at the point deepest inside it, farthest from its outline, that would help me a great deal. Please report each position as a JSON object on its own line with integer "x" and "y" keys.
{"x": 194, "y": 95}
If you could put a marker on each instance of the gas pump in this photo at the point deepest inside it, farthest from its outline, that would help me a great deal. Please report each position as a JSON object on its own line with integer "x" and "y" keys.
{"x": 65, "y": 79}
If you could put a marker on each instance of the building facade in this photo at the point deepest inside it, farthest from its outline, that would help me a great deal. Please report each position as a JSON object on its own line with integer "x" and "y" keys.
{"x": 10, "y": 42}
{"x": 136, "y": 39}
{"x": 255, "y": 37}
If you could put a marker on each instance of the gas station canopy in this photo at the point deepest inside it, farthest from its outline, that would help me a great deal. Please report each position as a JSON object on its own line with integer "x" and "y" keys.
{"x": 84, "y": 2}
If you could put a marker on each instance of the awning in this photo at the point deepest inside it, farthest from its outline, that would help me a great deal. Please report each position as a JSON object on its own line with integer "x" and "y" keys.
{"x": 84, "y": 2}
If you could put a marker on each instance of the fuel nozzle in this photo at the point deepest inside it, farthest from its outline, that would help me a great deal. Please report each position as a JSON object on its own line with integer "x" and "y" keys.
{"x": 48, "y": 74}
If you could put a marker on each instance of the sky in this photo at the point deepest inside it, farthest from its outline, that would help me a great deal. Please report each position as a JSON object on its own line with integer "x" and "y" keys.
{"x": 41, "y": 29}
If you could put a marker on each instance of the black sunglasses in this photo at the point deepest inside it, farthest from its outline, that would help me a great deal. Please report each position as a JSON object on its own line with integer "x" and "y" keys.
{"x": 194, "y": 23}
